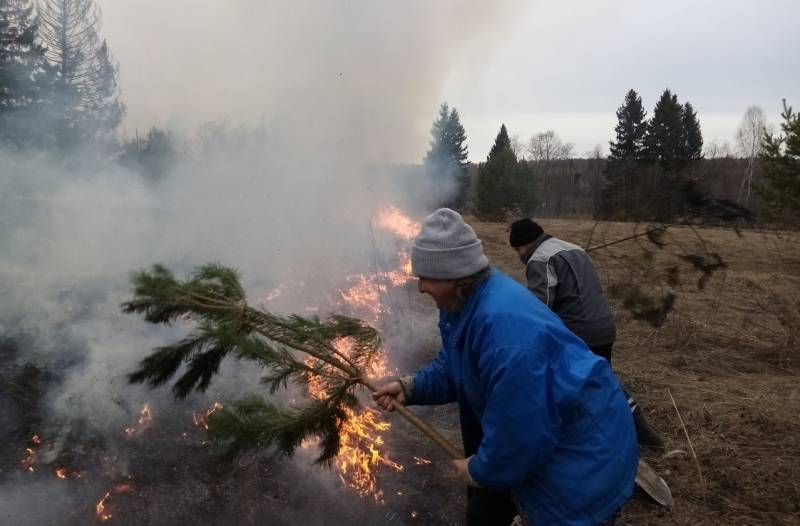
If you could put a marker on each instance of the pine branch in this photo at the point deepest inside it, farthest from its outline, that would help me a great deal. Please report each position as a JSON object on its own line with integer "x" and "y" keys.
{"x": 255, "y": 423}
{"x": 214, "y": 299}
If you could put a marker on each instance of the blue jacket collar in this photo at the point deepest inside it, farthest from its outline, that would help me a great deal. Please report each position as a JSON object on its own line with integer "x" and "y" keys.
{"x": 453, "y": 324}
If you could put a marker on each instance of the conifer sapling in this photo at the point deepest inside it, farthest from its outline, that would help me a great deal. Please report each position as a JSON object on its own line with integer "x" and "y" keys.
{"x": 214, "y": 299}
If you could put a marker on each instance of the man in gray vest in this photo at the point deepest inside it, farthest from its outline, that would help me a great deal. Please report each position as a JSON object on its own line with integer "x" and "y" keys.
{"x": 563, "y": 277}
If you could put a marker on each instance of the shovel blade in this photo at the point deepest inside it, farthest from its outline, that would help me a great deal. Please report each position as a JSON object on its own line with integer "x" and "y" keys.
{"x": 653, "y": 485}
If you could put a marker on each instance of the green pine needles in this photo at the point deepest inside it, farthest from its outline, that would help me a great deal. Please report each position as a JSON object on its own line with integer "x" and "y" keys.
{"x": 213, "y": 297}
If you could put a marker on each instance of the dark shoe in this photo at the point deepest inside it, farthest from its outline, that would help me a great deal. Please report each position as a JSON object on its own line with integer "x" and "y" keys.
{"x": 645, "y": 434}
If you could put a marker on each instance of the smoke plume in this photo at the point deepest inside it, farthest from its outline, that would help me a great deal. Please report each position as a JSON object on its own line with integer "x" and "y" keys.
{"x": 320, "y": 104}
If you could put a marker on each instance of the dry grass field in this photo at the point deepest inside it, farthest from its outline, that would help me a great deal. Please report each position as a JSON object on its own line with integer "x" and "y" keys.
{"x": 728, "y": 357}
{"x": 726, "y": 354}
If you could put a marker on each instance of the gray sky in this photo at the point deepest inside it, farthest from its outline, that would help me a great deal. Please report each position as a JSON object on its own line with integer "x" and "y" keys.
{"x": 380, "y": 69}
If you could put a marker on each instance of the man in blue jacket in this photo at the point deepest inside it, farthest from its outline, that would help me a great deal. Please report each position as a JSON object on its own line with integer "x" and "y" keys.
{"x": 541, "y": 416}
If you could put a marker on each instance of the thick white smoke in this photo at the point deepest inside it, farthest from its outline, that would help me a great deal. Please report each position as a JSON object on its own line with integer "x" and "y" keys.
{"x": 331, "y": 93}
{"x": 345, "y": 82}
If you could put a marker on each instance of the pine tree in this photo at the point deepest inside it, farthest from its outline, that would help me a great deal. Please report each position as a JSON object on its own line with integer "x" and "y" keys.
{"x": 630, "y": 129}
{"x": 619, "y": 198}
{"x": 446, "y": 161}
{"x": 87, "y": 103}
{"x": 674, "y": 141}
{"x": 694, "y": 137}
{"x": 25, "y": 77}
{"x": 781, "y": 170}
{"x": 665, "y": 140}
{"x": 448, "y": 139}
{"x": 498, "y": 186}
{"x": 501, "y": 144}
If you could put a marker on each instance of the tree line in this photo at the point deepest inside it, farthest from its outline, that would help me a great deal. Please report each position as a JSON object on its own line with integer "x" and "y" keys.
{"x": 655, "y": 170}
{"x": 58, "y": 79}
{"x": 59, "y": 90}
{"x": 59, "y": 87}
{"x": 651, "y": 161}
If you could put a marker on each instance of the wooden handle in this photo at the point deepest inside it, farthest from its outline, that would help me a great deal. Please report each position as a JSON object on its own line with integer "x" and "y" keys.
{"x": 423, "y": 426}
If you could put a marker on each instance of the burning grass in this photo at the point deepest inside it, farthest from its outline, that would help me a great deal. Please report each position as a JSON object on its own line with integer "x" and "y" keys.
{"x": 727, "y": 354}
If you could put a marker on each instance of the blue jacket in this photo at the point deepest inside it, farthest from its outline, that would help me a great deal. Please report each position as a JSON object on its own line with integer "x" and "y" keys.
{"x": 542, "y": 415}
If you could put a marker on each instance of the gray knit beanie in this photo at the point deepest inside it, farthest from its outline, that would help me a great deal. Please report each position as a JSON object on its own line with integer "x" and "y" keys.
{"x": 447, "y": 248}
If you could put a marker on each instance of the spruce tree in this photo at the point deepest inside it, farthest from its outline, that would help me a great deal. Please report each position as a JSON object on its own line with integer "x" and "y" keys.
{"x": 619, "y": 197}
{"x": 498, "y": 186}
{"x": 25, "y": 77}
{"x": 665, "y": 140}
{"x": 501, "y": 144}
{"x": 781, "y": 170}
{"x": 630, "y": 129}
{"x": 87, "y": 95}
{"x": 446, "y": 161}
{"x": 694, "y": 137}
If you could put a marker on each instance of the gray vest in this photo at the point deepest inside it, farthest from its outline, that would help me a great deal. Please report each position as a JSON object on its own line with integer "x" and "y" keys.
{"x": 562, "y": 276}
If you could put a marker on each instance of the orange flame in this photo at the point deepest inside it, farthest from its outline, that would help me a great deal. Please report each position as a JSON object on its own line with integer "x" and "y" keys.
{"x": 142, "y": 423}
{"x": 365, "y": 295}
{"x": 422, "y": 461}
{"x": 30, "y": 459}
{"x": 392, "y": 219}
{"x": 201, "y": 419}
{"x": 61, "y": 473}
{"x": 100, "y": 508}
{"x": 360, "y": 452}
{"x": 361, "y": 439}
{"x": 361, "y": 436}
{"x": 401, "y": 275}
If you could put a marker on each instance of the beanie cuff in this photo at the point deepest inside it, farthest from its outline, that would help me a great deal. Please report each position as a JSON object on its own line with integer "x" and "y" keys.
{"x": 448, "y": 263}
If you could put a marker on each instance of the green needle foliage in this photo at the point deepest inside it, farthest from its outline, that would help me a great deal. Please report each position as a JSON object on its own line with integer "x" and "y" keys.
{"x": 213, "y": 298}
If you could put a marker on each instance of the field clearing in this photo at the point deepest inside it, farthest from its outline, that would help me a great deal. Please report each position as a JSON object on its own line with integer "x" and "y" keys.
{"x": 728, "y": 356}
